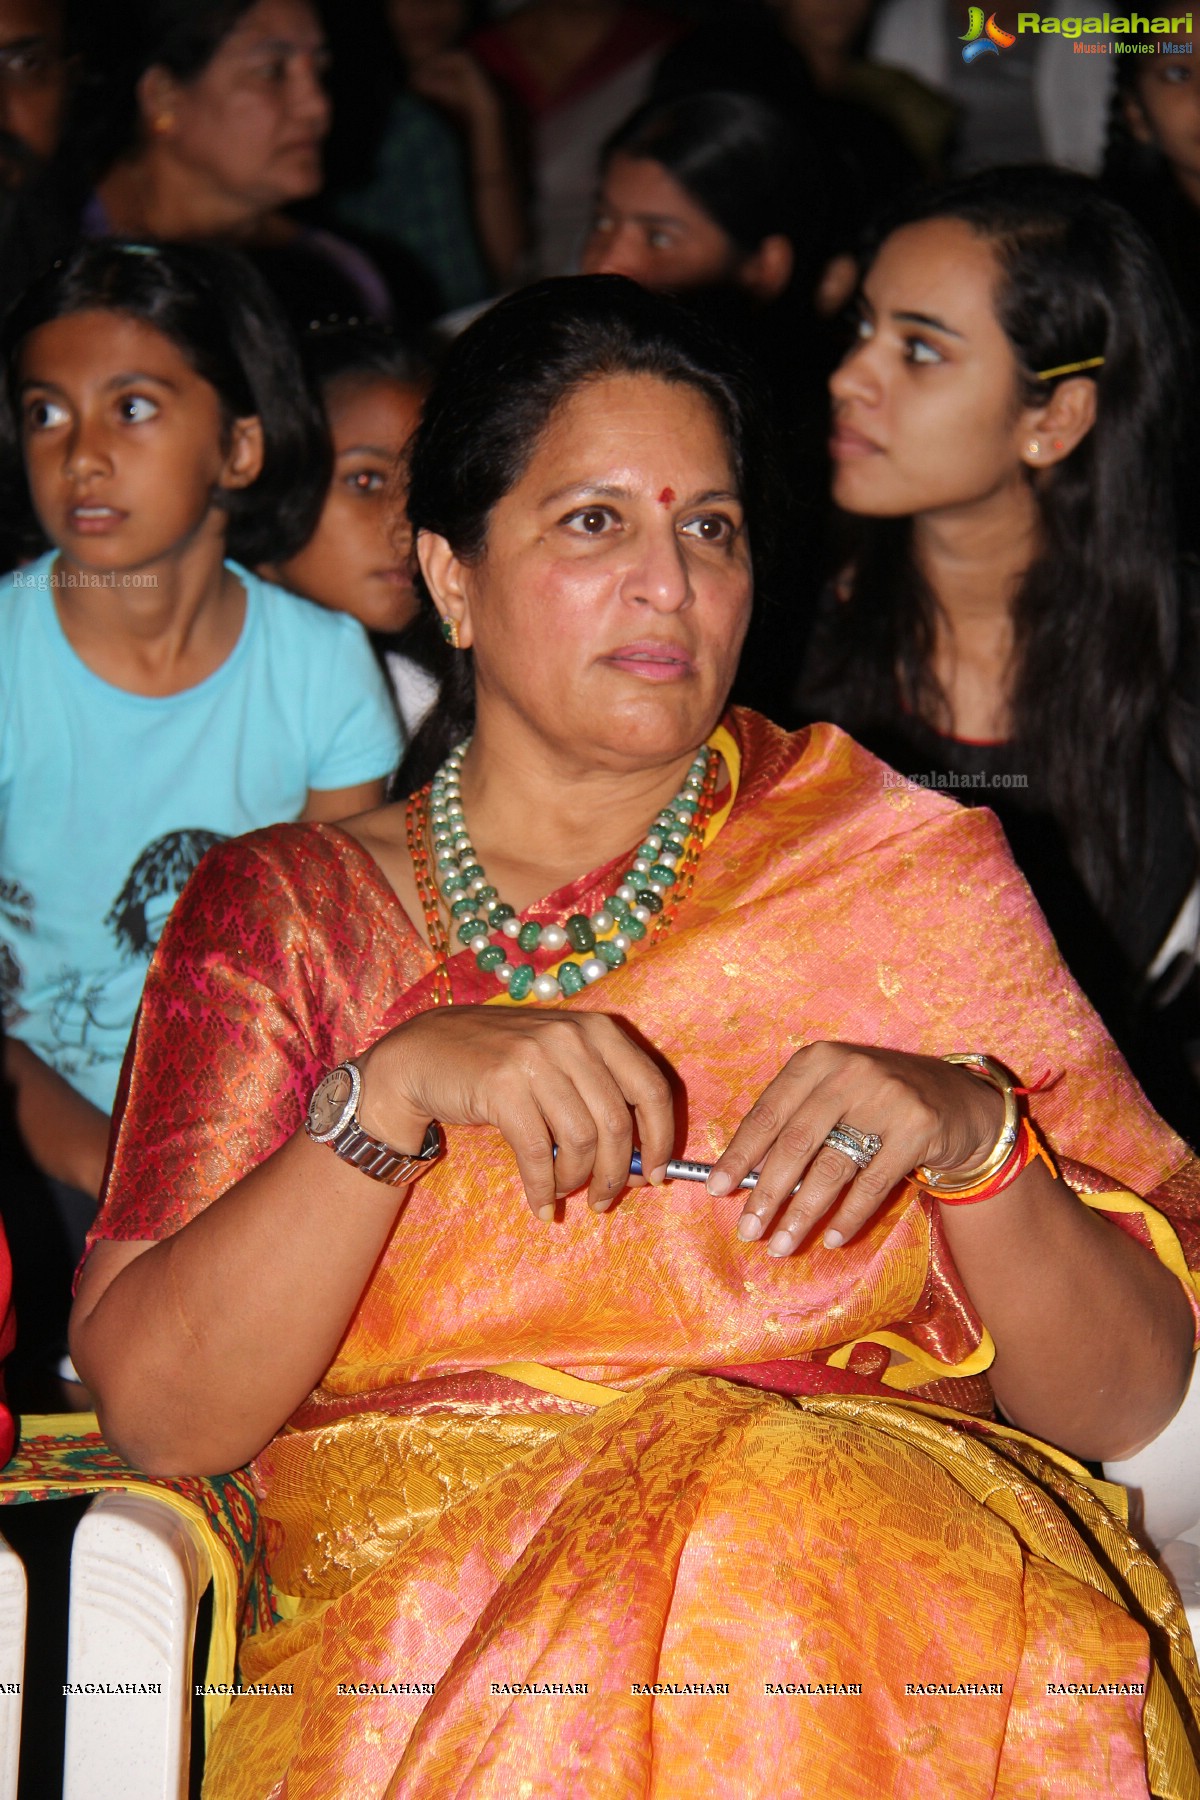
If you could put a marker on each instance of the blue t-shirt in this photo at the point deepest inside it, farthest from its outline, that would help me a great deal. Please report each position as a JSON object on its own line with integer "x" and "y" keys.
{"x": 109, "y": 799}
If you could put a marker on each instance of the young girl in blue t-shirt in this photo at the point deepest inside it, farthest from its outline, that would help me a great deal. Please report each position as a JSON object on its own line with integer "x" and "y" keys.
{"x": 154, "y": 695}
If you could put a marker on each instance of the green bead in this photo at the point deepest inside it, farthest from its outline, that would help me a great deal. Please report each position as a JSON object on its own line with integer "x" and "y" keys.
{"x": 616, "y": 906}
{"x": 453, "y": 884}
{"x": 579, "y": 933}
{"x": 529, "y": 935}
{"x": 686, "y": 808}
{"x": 491, "y": 958}
{"x": 469, "y": 929}
{"x": 610, "y": 954}
{"x": 569, "y": 978}
{"x": 473, "y": 872}
{"x": 522, "y": 981}
{"x": 634, "y": 928}
{"x": 662, "y": 874}
{"x": 499, "y": 913}
{"x": 484, "y": 895}
{"x": 464, "y": 908}
{"x": 649, "y": 900}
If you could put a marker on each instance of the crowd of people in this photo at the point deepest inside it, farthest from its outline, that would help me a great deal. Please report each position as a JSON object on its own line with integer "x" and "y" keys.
{"x": 402, "y": 407}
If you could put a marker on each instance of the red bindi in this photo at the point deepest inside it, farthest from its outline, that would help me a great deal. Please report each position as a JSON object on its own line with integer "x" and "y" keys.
{"x": 666, "y": 497}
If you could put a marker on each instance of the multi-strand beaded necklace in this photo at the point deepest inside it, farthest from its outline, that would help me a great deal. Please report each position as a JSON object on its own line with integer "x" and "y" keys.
{"x": 645, "y": 900}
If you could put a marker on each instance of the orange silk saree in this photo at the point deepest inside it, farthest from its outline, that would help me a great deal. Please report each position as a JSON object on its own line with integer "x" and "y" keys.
{"x": 617, "y": 1506}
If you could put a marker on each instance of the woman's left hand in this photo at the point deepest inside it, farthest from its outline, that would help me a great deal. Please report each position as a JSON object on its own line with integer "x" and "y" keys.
{"x": 925, "y": 1110}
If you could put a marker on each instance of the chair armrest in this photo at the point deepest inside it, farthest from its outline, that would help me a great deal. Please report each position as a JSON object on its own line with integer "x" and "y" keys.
{"x": 12, "y": 1665}
{"x": 1164, "y": 1478}
{"x": 1163, "y": 1481}
{"x": 138, "y": 1571}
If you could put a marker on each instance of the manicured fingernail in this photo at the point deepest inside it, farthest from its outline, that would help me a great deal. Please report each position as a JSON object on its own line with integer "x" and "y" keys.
{"x": 719, "y": 1183}
{"x": 657, "y": 1176}
{"x": 780, "y": 1244}
{"x": 833, "y": 1240}
{"x": 545, "y": 1212}
{"x": 750, "y": 1226}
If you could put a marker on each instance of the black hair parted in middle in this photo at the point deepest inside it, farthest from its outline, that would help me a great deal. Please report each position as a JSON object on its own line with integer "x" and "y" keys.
{"x": 495, "y": 394}
{"x": 213, "y": 305}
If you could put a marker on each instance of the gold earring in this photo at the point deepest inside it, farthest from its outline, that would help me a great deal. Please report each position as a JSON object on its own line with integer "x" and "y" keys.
{"x": 450, "y": 632}
{"x": 163, "y": 123}
{"x": 1034, "y": 448}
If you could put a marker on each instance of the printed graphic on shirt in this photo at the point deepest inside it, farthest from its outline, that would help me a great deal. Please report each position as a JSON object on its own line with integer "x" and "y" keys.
{"x": 16, "y": 913}
{"x": 155, "y": 882}
{"x": 88, "y": 1011}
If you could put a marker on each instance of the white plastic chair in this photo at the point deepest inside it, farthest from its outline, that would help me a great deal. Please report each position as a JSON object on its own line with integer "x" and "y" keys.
{"x": 137, "y": 1574}
{"x": 12, "y": 1665}
{"x": 1164, "y": 1499}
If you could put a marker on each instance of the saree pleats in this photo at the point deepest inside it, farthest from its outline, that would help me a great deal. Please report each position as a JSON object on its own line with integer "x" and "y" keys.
{"x": 700, "y": 1536}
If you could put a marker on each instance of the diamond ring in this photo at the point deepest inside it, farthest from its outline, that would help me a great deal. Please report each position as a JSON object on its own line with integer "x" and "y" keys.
{"x": 862, "y": 1147}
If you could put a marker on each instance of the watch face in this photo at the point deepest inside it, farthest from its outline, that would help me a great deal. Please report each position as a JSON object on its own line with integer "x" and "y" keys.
{"x": 328, "y": 1106}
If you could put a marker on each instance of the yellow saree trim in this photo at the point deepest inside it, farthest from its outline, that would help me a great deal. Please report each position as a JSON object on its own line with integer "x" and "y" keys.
{"x": 725, "y": 744}
{"x": 919, "y": 1366}
{"x": 1162, "y": 1234}
{"x": 222, "y": 1643}
{"x": 553, "y": 1381}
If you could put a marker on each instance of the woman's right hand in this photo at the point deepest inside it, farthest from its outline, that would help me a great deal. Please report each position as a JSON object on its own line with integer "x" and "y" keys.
{"x": 575, "y": 1080}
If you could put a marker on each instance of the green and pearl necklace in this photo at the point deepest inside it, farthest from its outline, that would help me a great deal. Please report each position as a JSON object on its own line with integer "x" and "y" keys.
{"x": 604, "y": 939}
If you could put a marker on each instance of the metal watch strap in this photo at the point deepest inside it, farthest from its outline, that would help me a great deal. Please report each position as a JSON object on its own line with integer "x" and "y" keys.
{"x": 394, "y": 1167}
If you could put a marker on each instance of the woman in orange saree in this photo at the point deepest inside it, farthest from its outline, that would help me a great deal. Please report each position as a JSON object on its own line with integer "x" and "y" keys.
{"x": 621, "y": 1501}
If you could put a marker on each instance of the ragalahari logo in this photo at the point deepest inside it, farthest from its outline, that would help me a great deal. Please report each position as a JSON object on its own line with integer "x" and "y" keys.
{"x": 984, "y": 39}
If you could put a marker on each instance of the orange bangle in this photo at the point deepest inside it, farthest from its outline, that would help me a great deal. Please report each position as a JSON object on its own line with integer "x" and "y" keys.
{"x": 1027, "y": 1149}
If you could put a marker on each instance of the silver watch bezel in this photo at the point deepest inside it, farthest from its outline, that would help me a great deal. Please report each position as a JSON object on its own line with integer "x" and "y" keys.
{"x": 349, "y": 1112}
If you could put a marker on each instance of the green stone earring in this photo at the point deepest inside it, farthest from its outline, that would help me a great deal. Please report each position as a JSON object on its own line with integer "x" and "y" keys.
{"x": 450, "y": 632}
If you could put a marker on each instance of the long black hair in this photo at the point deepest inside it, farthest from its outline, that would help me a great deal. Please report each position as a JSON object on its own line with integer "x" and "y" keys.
{"x": 498, "y": 388}
{"x": 219, "y": 313}
{"x": 1099, "y": 620}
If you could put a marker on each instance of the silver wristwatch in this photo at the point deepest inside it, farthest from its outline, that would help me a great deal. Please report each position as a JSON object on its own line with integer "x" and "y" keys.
{"x": 332, "y": 1119}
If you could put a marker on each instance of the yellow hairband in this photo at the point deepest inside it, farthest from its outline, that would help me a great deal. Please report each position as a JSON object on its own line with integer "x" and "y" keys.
{"x": 1090, "y": 362}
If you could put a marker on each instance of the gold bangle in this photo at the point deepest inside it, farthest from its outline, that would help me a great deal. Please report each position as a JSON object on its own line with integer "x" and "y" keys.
{"x": 988, "y": 1070}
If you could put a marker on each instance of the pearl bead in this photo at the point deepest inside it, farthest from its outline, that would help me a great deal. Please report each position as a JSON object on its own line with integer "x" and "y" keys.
{"x": 602, "y": 921}
{"x": 641, "y": 864}
{"x": 511, "y": 928}
{"x": 658, "y": 887}
{"x": 623, "y": 941}
{"x": 593, "y": 969}
{"x": 476, "y": 886}
{"x": 553, "y": 937}
{"x": 642, "y": 914}
{"x": 627, "y": 893}
{"x": 478, "y": 943}
{"x": 654, "y": 838}
{"x": 504, "y": 973}
{"x": 546, "y": 987}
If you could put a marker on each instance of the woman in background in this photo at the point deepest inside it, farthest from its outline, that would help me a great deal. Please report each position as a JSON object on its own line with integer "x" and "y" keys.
{"x": 216, "y": 117}
{"x": 1014, "y": 623}
{"x": 716, "y": 199}
{"x": 438, "y": 176}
